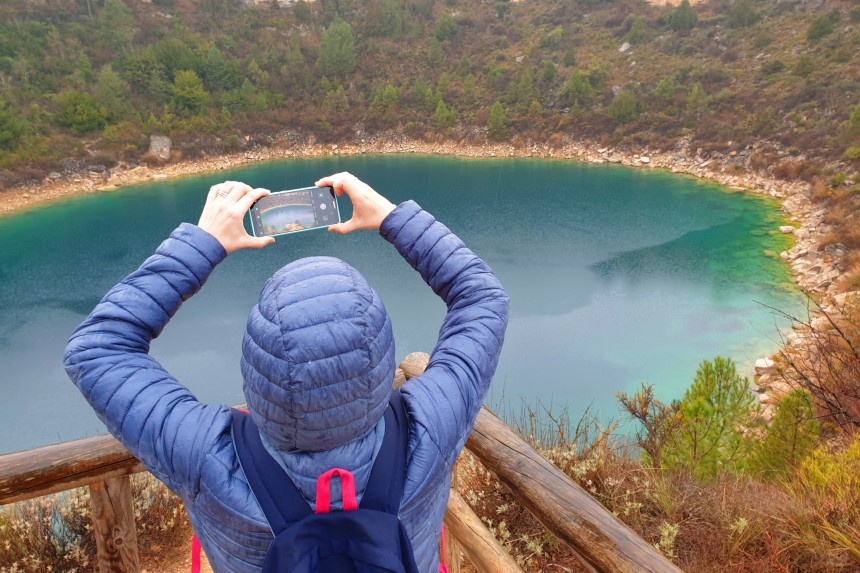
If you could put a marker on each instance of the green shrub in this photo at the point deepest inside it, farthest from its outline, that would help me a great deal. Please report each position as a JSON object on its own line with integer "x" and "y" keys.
{"x": 337, "y": 50}
{"x": 743, "y": 14}
{"x": 80, "y": 111}
{"x": 638, "y": 33}
{"x": 819, "y": 28}
{"x": 852, "y": 153}
{"x": 624, "y": 107}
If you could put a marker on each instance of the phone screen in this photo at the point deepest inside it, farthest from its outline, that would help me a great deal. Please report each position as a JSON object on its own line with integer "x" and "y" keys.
{"x": 295, "y": 210}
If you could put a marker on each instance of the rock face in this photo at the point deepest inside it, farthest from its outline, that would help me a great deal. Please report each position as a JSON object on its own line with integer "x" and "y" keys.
{"x": 159, "y": 146}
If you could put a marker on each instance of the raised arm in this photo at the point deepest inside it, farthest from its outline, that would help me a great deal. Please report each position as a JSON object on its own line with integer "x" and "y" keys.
{"x": 107, "y": 357}
{"x": 448, "y": 395}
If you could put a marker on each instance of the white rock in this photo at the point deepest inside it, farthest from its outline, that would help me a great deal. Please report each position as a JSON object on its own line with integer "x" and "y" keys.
{"x": 786, "y": 229}
{"x": 763, "y": 364}
{"x": 644, "y": 159}
{"x": 624, "y": 47}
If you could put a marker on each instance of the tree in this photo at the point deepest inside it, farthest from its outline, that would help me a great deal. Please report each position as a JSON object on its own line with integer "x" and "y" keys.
{"x": 743, "y": 14}
{"x": 444, "y": 118}
{"x": 658, "y": 422}
{"x": 385, "y": 18}
{"x": 80, "y": 112}
{"x": 638, "y": 33}
{"x": 791, "y": 436}
{"x": 337, "y": 50}
{"x": 446, "y": 28}
{"x": 110, "y": 91}
{"x": 854, "y": 121}
{"x": 114, "y": 29}
{"x": 624, "y": 107}
{"x": 697, "y": 99}
{"x": 12, "y": 128}
{"x": 549, "y": 73}
{"x": 434, "y": 52}
{"x": 715, "y": 412}
{"x": 523, "y": 91}
{"x": 577, "y": 90}
{"x": 188, "y": 92}
{"x": 682, "y": 18}
{"x": 216, "y": 75}
{"x": 497, "y": 125}
{"x": 666, "y": 90}
{"x": 819, "y": 28}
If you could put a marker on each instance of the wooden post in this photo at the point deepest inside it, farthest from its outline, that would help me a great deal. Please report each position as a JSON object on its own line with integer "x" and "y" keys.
{"x": 479, "y": 545}
{"x": 113, "y": 526}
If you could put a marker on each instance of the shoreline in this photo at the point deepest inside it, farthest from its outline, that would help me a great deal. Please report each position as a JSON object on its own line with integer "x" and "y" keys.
{"x": 814, "y": 272}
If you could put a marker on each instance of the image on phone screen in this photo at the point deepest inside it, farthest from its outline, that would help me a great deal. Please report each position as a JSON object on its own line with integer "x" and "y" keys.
{"x": 294, "y": 210}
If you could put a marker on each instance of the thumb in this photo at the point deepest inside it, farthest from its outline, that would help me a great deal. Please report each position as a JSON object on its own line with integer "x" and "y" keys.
{"x": 258, "y": 242}
{"x": 342, "y": 228}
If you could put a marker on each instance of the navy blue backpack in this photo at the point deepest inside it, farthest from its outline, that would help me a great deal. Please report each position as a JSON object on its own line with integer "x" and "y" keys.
{"x": 366, "y": 539}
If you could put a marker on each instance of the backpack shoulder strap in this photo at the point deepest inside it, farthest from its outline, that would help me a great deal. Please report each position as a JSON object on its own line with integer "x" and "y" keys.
{"x": 387, "y": 477}
{"x": 279, "y": 498}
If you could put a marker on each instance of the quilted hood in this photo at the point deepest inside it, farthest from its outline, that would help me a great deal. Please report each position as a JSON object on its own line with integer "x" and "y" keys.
{"x": 317, "y": 356}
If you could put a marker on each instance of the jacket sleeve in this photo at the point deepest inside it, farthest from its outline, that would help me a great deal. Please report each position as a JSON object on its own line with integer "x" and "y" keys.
{"x": 153, "y": 415}
{"x": 448, "y": 396}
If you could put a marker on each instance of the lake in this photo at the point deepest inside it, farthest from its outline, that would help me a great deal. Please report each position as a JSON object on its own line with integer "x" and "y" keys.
{"x": 617, "y": 276}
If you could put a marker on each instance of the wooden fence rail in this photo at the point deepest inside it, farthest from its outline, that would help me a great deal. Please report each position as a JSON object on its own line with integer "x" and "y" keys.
{"x": 603, "y": 542}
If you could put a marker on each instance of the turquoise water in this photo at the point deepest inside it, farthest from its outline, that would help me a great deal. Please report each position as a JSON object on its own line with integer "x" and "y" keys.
{"x": 617, "y": 276}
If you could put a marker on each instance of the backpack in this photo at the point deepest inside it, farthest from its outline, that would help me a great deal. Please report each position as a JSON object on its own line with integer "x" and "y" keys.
{"x": 366, "y": 539}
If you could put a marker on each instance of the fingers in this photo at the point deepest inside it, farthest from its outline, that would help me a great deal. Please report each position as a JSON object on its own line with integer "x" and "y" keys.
{"x": 251, "y": 197}
{"x": 343, "y": 182}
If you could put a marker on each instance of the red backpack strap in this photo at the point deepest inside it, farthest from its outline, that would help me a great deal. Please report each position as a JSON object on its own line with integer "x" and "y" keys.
{"x": 195, "y": 554}
{"x": 443, "y": 567}
{"x": 347, "y": 487}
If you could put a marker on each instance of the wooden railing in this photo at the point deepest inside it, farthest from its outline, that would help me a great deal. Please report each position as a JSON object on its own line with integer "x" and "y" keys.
{"x": 602, "y": 542}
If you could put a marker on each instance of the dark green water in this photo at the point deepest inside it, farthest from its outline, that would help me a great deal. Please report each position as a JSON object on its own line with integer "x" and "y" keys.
{"x": 617, "y": 276}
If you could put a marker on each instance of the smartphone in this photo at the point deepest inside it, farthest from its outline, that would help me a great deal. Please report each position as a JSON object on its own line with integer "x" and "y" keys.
{"x": 294, "y": 210}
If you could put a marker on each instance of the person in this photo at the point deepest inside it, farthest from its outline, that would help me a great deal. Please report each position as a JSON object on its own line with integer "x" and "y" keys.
{"x": 317, "y": 365}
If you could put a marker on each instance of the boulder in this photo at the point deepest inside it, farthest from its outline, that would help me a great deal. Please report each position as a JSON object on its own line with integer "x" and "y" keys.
{"x": 786, "y": 229}
{"x": 159, "y": 146}
{"x": 763, "y": 364}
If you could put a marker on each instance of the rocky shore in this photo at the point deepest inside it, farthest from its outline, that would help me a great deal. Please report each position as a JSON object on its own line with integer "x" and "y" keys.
{"x": 817, "y": 272}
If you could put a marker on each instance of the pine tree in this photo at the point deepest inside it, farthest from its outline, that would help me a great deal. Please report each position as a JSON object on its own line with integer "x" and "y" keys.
{"x": 791, "y": 436}
{"x": 497, "y": 124}
{"x": 337, "y": 49}
{"x": 715, "y": 412}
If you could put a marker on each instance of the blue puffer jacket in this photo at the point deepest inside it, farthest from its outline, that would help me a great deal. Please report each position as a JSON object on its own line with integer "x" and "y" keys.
{"x": 318, "y": 362}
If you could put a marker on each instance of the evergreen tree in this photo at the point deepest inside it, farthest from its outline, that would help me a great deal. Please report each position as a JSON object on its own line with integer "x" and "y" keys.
{"x": 337, "y": 50}
{"x": 624, "y": 107}
{"x": 80, "y": 112}
{"x": 12, "y": 128}
{"x": 444, "y": 118}
{"x": 110, "y": 91}
{"x": 638, "y": 33}
{"x": 577, "y": 90}
{"x": 497, "y": 125}
{"x": 791, "y": 436}
{"x": 697, "y": 99}
{"x": 217, "y": 75}
{"x": 715, "y": 412}
{"x": 114, "y": 28}
{"x": 682, "y": 18}
{"x": 446, "y": 28}
{"x": 188, "y": 92}
{"x": 434, "y": 52}
{"x": 743, "y": 14}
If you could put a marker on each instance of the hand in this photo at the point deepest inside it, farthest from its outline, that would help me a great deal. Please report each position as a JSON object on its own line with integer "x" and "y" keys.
{"x": 224, "y": 211}
{"x": 369, "y": 208}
